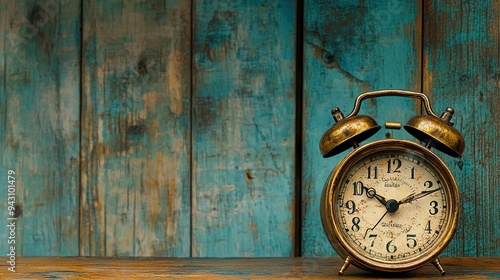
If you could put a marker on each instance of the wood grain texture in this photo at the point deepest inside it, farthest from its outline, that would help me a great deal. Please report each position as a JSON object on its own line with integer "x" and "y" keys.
{"x": 275, "y": 268}
{"x": 351, "y": 47}
{"x": 243, "y": 128}
{"x": 165, "y": 131}
{"x": 462, "y": 70}
{"x": 39, "y": 123}
{"x": 135, "y": 197}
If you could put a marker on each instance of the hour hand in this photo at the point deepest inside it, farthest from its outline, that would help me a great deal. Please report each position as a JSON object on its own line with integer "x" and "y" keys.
{"x": 371, "y": 193}
{"x": 413, "y": 196}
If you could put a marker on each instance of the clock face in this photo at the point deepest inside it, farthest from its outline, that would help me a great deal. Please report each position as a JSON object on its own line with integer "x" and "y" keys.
{"x": 391, "y": 205}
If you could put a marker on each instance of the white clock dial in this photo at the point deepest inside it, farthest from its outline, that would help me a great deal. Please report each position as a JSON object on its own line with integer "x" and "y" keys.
{"x": 391, "y": 206}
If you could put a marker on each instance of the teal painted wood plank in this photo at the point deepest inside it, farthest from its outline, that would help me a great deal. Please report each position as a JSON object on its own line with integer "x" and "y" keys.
{"x": 243, "y": 129}
{"x": 39, "y": 124}
{"x": 135, "y": 197}
{"x": 351, "y": 47}
{"x": 462, "y": 70}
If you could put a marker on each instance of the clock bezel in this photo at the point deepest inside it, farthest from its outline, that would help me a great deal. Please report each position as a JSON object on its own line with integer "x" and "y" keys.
{"x": 332, "y": 227}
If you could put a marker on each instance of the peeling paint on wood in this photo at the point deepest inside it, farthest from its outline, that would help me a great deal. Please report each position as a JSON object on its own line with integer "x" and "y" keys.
{"x": 39, "y": 124}
{"x": 135, "y": 129}
{"x": 123, "y": 179}
{"x": 462, "y": 66}
{"x": 243, "y": 129}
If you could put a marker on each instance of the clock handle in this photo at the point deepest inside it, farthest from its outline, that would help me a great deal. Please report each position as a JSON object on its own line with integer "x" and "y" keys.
{"x": 402, "y": 93}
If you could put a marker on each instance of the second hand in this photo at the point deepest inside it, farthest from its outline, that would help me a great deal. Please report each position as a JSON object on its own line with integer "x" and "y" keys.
{"x": 375, "y": 224}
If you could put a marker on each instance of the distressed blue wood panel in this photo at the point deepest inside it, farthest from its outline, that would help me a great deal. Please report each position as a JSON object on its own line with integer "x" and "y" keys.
{"x": 351, "y": 47}
{"x": 243, "y": 128}
{"x": 39, "y": 117}
{"x": 462, "y": 70}
{"x": 135, "y": 197}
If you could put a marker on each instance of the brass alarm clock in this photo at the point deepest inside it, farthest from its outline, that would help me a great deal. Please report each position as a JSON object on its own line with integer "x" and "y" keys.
{"x": 391, "y": 205}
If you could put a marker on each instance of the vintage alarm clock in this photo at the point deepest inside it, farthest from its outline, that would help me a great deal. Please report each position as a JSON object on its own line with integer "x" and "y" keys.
{"x": 391, "y": 205}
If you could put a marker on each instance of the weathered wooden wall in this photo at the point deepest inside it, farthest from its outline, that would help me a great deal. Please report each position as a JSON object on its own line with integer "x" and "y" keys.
{"x": 461, "y": 66}
{"x": 243, "y": 128}
{"x": 191, "y": 128}
{"x": 135, "y": 125}
{"x": 40, "y": 124}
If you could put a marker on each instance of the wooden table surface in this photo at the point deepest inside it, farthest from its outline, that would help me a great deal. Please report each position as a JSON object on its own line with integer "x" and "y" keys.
{"x": 272, "y": 268}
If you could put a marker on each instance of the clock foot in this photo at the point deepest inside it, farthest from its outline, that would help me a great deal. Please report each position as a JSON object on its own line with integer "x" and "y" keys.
{"x": 437, "y": 264}
{"x": 346, "y": 264}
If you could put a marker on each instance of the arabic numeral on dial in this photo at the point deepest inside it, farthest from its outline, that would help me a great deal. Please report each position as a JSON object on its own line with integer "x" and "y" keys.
{"x": 411, "y": 242}
{"x": 391, "y": 248}
{"x": 412, "y": 173}
{"x": 428, "y": 184}
{"x": 355, "y": 224}
{"x": 434, "y": 210}
{"x": 397, "y": 164}
{"x": 351, "y": 206}
{"x": 374, "y": 236}
{"x": 358, "y": 188}
{"x": 372, "y": 172}
{"x": 428, "y": 227}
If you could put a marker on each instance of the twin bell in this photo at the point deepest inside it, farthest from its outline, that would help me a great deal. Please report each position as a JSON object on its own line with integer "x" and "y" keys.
{"x": 433, "y": 130}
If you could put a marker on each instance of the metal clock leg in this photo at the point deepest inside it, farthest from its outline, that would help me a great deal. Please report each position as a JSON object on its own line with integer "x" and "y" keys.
{"x": 437, "y": 264}
{"x": 346, "y": 264}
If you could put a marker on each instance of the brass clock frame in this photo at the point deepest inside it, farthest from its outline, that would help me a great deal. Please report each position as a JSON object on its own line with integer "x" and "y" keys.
{"x": 433, "y": 130}
{"x": 332, "y": 225}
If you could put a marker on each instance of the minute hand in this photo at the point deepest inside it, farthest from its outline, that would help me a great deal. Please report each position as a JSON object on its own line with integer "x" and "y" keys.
{"x": 413, "y": 196}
